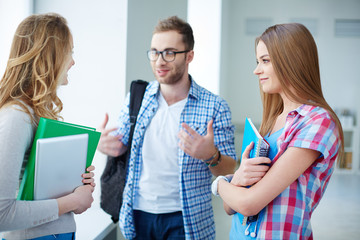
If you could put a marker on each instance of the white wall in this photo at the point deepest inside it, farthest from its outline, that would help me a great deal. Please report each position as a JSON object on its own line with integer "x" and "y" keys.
{"x": 96, "y": 81}
{"x": 110, "y": 42}
{"x": 205, "y": 68}
{"x": 143, "y": 15}
{"x": 111, "y": 38}
{"x": 11, "y": 14}
{"x": 338, "y": 56}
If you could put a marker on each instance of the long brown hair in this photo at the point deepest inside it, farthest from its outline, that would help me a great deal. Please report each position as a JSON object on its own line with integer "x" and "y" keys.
{"x": 295, "y": 61}
{"x": 37, "y": 59}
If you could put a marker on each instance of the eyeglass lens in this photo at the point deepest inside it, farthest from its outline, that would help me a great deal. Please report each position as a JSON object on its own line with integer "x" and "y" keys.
{"x": 167, "y": 56}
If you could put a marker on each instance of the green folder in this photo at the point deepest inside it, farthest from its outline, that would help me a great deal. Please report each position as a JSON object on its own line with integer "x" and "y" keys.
{"x": 52, "y": 128}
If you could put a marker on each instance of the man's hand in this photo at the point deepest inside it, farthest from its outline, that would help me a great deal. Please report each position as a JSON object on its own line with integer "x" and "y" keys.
{"x": 195, "y": 145}
{"x": 109, "y": 144}
{"x": 251, "y": 170}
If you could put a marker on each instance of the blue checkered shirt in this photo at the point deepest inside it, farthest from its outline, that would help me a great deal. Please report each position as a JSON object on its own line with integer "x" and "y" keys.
{"x": 194, "y": 176}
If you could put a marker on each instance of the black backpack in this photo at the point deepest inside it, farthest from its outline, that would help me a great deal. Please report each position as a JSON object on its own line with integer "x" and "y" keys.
{"x": 114, "y": 176}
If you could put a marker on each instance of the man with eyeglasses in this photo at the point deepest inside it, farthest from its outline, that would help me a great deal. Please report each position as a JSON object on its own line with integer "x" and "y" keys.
{"x": 186, "y": 136}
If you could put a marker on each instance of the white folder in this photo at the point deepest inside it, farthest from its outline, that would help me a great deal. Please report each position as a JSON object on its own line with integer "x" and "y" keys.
{"x": 59, "y": 163}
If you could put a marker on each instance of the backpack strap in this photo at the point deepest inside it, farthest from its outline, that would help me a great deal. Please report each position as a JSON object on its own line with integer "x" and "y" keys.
{"x": 137, "y": 90}
{"x": 113, "y": 177}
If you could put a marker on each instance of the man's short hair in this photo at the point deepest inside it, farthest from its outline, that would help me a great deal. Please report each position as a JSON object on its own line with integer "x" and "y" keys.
{"x": 177, "y": 24}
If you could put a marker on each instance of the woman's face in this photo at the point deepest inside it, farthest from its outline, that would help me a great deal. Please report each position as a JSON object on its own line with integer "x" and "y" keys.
{"x": 69, "y": 62}
{"x": 265, "y": 71}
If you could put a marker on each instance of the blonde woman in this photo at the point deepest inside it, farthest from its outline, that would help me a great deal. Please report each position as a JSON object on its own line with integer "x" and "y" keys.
{"x": 305, "y": 139}
{"x": 40, "y": 57}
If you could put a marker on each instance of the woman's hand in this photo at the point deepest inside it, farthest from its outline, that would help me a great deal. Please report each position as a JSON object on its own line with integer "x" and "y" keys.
{"x": 251, "y": 170}
{"x": 88, "y": 178}
{"x": 79, "y": 200}
{"x": 83, "y": 197}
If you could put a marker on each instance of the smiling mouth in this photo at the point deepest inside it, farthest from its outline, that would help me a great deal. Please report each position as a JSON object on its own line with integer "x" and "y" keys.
{"x": 162, "y": 72}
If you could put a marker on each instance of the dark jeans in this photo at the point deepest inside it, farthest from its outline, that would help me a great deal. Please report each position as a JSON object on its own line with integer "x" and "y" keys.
{"x": 62, "y": 236}
{"x": 151, "y": 226}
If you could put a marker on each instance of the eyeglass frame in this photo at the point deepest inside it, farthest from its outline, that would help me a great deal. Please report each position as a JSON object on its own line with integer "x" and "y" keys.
{"x": 162, "y": 54}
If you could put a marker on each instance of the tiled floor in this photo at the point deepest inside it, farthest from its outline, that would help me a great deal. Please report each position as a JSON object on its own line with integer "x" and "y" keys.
{"x": 336, "y": 217}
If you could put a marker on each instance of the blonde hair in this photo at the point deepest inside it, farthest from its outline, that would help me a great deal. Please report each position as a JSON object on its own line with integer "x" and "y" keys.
{"x": 295, "y": 61}
{"x": 38, "y": 54}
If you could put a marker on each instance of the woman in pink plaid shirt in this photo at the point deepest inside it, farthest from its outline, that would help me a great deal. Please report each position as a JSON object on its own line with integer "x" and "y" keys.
{"x": 305, "y": 139}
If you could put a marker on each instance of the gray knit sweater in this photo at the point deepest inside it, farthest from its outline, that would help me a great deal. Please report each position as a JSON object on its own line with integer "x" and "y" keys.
{"x": 23, "y": 219}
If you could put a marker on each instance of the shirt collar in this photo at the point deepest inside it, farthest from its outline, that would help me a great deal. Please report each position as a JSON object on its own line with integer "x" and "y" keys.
{"x": 154, "y": 88}
{"x": 194, "y": 89}
{"x": 303, "y": 110}
{"x": 193, "y": 92}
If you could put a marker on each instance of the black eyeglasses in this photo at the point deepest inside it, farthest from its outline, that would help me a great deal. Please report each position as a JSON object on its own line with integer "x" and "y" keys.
{"x": 167, "y": 55}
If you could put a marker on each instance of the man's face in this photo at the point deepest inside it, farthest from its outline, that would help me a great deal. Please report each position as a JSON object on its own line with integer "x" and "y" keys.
{"x": 170, "y": 72}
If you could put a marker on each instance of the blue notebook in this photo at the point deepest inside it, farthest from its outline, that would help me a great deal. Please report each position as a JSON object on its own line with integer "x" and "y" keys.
{"x": 260, "y": 149}
{"x": 251, "y": 134}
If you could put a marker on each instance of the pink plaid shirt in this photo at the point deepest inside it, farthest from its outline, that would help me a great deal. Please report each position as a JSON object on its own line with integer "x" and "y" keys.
{"x": 288, "y": 215}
